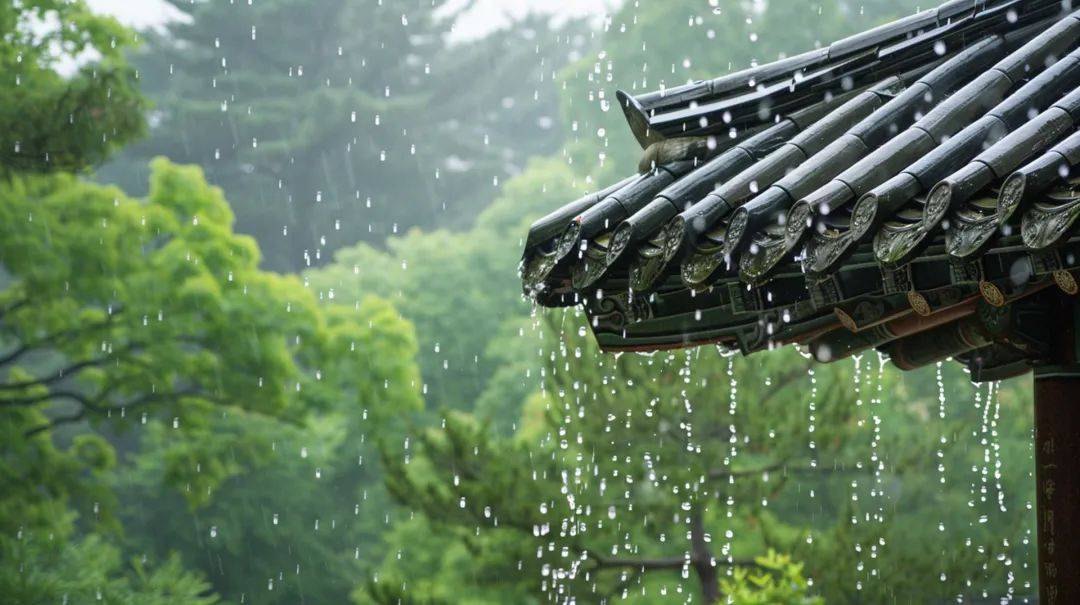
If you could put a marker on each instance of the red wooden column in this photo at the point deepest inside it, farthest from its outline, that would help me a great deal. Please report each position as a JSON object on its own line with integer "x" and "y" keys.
{"x": 1057, "y": 460}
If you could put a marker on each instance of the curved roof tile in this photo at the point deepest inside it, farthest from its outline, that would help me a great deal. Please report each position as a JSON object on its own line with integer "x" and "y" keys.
{"x": 898, "y": 190}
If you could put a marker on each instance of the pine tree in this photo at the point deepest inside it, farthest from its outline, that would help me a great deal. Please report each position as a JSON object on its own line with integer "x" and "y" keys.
{"x": 332, "y": 122}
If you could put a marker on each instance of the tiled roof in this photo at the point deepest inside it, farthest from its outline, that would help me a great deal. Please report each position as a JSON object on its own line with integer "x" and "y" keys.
{"x": 898, "y": 190}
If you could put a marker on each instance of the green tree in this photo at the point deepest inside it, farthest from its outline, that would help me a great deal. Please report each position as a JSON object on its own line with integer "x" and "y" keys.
{"x": 627, "y": 484}
{"x": 44, "y": 558}
{"x": 893, "y": 468}
{"x": 55, "y": 568}
{"x": 151, "y": 317}
{"x": 313, "y": 505}
{"x": 155, "y": 307}
{"x": 54, "y": 121}
{"x": 640, "y": 477}
{"x": 778, "y": 581}
{"x": 293, "y": 528}
{"x": 142, "y": 348}
{"x": 461, "y": 291}
{"x": 337, "y": 121}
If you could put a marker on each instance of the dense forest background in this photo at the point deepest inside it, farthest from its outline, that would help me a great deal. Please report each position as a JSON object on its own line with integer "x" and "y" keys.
{"x": 261, "y": 336}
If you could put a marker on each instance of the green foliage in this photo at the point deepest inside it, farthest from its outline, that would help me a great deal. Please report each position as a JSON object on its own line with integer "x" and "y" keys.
{"x": 424, "y": 566}
{"x": 333, "y": 509}
{"x": 49, "y": 569}
{"x": 58, "y": 122}
{"x": 461, "y": 291}
{"x": 179, "y": 426}
{"x": 49, "y": 121}
{"x": 40, "y": 478}
{"x": 478, "y": 500}
{"x": 961, "y": 515}
{"x": 629, "y": 470}
{"x": 44, "y": 560}
{"x": 342, "y": 120}
{"x": 309, "y": 510}
{"x": 778, "y": 582}
{"x": 630, "y": 449}
{"x": 127, "y": 309}
{"x": 661, "y": 421}
{"x": 151, "y": 317}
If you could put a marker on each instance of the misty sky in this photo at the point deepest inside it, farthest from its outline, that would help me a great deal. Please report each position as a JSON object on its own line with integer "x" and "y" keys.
{"x": 487, "y": 15}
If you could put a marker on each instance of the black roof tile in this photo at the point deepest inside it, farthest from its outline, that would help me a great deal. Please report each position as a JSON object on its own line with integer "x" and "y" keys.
{"x": 899, "y": 190}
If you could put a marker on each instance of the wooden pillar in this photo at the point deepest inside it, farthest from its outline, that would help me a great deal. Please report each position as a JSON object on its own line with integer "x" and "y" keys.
{"x": 1057, "y": 460}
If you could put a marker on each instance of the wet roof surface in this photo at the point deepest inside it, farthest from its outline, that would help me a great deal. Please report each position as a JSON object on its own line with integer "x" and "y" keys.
{"x": 909, "y": 189}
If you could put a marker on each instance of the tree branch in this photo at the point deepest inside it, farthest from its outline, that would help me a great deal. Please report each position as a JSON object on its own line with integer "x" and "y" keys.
{"x": 14, "y": 354}
{"x": 34, "y": 399}
{"x": 623, "y": 584}
{"x": 704, "y": 562}
{"x": 55, "y": 377}
{"x": 22, "y": 302}
{"x": 55, "y": 422}
{"x": 641, "y": 564}
{"x": 96, "y": 407}
{"x": 661, "y": 563}
{"x": 26, "y": 347}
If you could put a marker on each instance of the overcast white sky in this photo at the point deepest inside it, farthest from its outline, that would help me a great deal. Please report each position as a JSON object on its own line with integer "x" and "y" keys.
{"x": 487, "y": 15}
